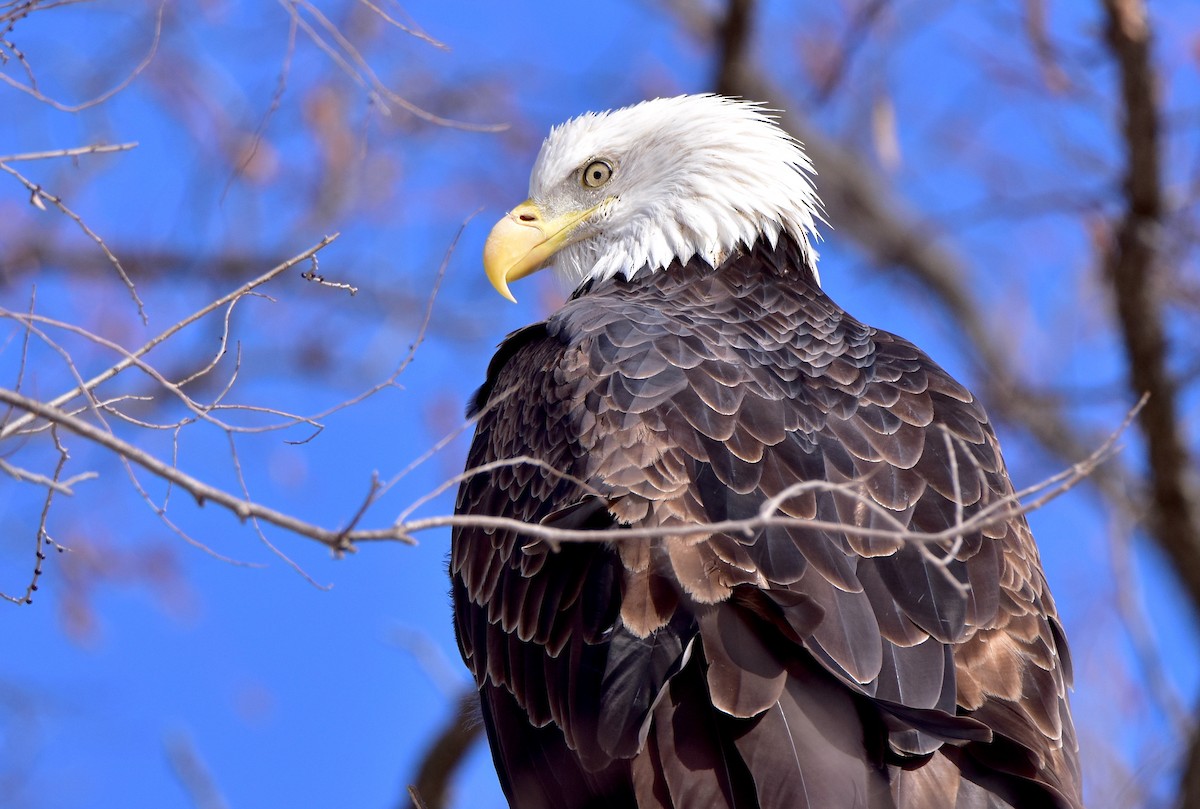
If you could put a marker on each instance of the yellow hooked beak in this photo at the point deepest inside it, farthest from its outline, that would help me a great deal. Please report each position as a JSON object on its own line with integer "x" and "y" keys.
{"x": 523, "y": 241}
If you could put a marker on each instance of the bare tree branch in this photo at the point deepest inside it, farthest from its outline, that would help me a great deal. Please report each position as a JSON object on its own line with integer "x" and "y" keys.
{"x": 18, "y": 424}
{"x": 996, "y": 512}
{"x": 89, "y": 419}
{"x": 202, "y": 412}
{"x": 1132, "y": 266}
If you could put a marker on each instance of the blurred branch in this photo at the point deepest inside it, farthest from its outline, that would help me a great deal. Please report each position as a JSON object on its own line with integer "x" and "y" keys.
{"x": 35, "y": 254}
{"x": 256, "y": 140}
{"x": 32, "y": 254}
{"x": 1053, "y": 75}
{"x": 855, "y": 36}
{"x": 1131, "y": 266}
{"x": 193, "y": 774}
{"x": 1130, "y": 611}
{"x": 326, "y": 35}
{"x": 733, "y": 35}
{"x": 409, "y": 28}
{"x": 1189, "y": 786}
{"x": 446, "y": 753}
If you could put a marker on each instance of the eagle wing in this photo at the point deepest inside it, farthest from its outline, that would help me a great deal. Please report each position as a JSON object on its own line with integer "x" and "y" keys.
{"x": 859, "y": 604}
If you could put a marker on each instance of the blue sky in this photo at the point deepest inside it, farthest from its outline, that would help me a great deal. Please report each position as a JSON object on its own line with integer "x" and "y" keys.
{"x": 300, "y": 695}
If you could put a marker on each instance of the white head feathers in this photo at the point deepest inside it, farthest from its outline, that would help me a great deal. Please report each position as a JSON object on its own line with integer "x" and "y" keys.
{"x": 690, "y": 176}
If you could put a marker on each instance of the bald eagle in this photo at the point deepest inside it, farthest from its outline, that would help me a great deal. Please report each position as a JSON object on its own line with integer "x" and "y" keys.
{"x": 807, "y": 586}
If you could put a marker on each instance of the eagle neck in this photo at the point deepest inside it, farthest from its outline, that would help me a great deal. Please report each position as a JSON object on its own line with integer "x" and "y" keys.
{"x": 785, "y": 260}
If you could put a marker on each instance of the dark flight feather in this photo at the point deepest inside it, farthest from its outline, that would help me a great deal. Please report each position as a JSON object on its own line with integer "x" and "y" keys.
{"x": 786, "y": 666}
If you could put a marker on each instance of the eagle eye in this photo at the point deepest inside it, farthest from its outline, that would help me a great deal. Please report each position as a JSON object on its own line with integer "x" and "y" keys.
{"x": 596, "y": 174}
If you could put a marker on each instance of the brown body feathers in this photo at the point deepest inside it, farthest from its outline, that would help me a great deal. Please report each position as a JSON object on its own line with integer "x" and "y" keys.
{"x": 792, "y": 665}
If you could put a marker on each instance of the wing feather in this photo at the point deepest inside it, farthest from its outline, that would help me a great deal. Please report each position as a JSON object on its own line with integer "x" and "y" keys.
{"x": 699, "y": 761}
{"x": 803, "y": 754}
{"x": 745, "y": 678}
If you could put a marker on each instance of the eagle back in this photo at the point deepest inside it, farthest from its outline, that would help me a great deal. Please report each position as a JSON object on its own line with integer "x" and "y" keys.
{"x": 854, "y": 526}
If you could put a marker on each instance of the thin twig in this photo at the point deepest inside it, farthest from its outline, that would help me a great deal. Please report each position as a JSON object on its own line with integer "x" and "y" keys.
{"x": 422, "y": 330}
{"x": 276, "y": 99}
{"x": 193, "y": 774}
{"x": 262, "y": 535}
{"x": 96, "y": 148}
{"x": 313, "y": 274}
{"x": 351, "y": 61}
{"x": 160, "y": 511}
{"x": 43, "y": 536}
{"x": 37, "y": 194}
{"x": 520, "y": 460}
{"x": 442, "y": 443}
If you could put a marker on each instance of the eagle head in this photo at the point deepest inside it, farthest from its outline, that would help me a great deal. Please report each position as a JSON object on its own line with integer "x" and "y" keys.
{"x": 632, "y": 190}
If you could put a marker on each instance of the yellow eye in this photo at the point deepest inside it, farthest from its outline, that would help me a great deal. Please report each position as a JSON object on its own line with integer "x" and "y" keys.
{"x": 596, "y": 174}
